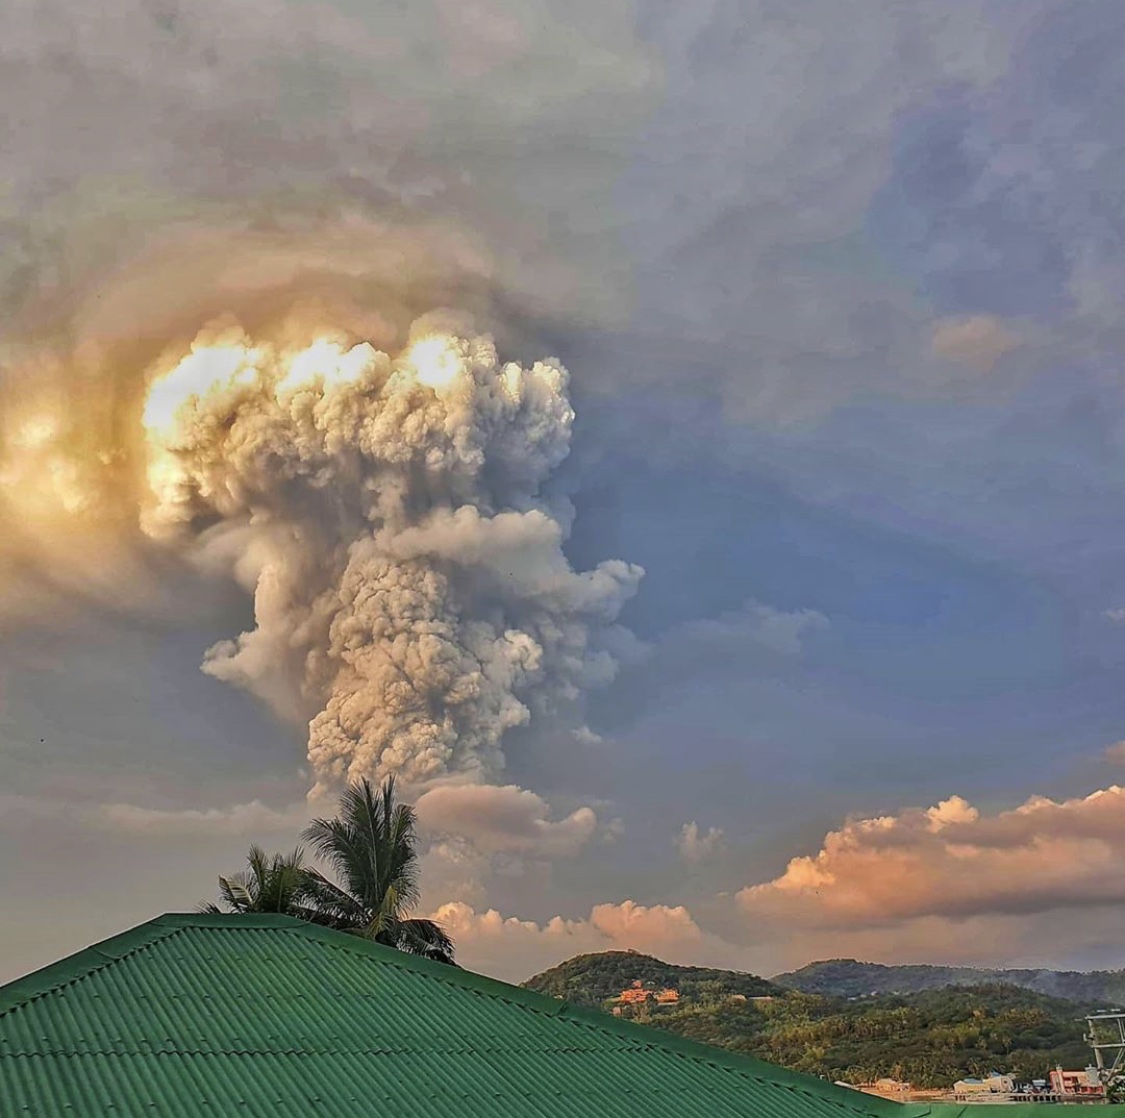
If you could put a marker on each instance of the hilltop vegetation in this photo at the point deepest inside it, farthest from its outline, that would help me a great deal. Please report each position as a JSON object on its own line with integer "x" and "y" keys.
{"x": 929, "y": 1037}
{"x": 591, "y": 980}
{"x": 848, "y": 978}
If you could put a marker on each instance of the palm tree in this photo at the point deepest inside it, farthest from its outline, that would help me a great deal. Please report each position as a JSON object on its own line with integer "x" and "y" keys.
{"x": 269, "y": 884}
{"x": 371, "y": 847}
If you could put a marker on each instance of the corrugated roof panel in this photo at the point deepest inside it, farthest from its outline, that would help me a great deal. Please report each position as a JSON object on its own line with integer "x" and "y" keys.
{"x": 336, "y": 1085}
{"x": 248, "y": 1016}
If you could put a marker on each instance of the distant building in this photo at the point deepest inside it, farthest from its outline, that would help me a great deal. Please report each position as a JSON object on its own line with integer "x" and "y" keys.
{"x": 890, "y": 1088}
{"x": 634, "y": 995}
{"x": 1076, "y": 1082}
{"x": 1001, "y": 1084}
{"x": 898, "y": 1090}
{"x": 969, "y": 1086}
{"x": 638, "y": 996}
{"x": 995, "y": 1083}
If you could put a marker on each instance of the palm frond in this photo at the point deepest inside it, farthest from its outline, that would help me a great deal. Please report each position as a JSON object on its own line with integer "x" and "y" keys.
{"x": 427, "y": 938}
{"x": 236, "y": 893}
{"x": 271, "y": 883}
{"x": 371, "y": 849}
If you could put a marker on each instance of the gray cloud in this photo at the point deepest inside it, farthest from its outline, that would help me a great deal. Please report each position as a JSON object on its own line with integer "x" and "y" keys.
{"x": 164, "y": 114}
{"x": 753, "y": 626}
{"x": 505, "y": 819}
{"x": 696, "y": 845}
{"x": 978, "y": 341}
{"x": 755, "y": 189}
{"x": 250, "y": 820}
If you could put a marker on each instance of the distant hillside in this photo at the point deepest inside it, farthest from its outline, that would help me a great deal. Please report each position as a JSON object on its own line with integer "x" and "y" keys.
{"x": 847, "y": 978}
{"x": 930, "y": 1037}
{"x": 591, "y": 980}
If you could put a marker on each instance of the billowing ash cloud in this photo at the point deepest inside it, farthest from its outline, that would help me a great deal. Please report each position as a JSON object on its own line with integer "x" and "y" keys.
{"x": 411, "y": 592}
{"x": 173, "y": 162}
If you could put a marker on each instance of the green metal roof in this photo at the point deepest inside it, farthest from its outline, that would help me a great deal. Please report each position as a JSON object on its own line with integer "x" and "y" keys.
{"x": 268, "y": 1016}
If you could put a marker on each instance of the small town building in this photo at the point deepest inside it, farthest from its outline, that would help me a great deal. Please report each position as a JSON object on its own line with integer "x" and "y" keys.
{"x": 890, "y": 1088}
{"x": 1085, "y": 1082}
{"x": 995, "y": 1083}
{"x": 634, "y": 995}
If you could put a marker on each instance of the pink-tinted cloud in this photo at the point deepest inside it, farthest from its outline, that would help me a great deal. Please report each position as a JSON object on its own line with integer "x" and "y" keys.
{"x": 951, "y": 861}
{"x": 514, "y": 949}
{"x": 504, "y": 819}
{"x": 978, "y": 341}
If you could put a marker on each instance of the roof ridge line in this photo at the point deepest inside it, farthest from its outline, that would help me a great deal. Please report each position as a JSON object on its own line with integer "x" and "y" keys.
{"x": 81, "y": 965}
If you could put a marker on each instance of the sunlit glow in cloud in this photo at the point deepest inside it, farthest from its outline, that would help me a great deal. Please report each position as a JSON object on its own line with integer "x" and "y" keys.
{"x": 950, "y": 860}
{"x": 41, "y": 472}
{"x": 208, "y": 368}
{"x": 435, "y": 360}
{"x": 412, "y": 598}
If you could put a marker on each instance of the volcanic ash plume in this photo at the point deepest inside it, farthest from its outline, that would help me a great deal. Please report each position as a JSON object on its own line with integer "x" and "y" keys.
{"x": 411, "y": 594}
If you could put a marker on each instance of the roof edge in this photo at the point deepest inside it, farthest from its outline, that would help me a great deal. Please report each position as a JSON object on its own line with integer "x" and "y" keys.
{"x": 230, "y": 919}
{"x": 73, "y": 967}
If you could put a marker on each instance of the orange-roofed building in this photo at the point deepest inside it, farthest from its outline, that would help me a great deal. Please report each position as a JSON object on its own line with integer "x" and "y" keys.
{"x": 1076, "y": 1082}
{"x": 635, "y": 995}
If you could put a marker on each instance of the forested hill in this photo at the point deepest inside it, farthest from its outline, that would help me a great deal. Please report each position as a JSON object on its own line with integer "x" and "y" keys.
{"x": 931, "y": 1037}
{"x": 591, "y": 980}
{"x": 848, "y": 978}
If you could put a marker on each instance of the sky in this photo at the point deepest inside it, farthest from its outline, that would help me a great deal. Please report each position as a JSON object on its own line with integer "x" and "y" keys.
{"x": 770, "y": 608}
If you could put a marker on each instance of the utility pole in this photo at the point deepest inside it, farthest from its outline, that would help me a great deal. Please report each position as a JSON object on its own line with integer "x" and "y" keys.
{"x": 1106, "y": 1036}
